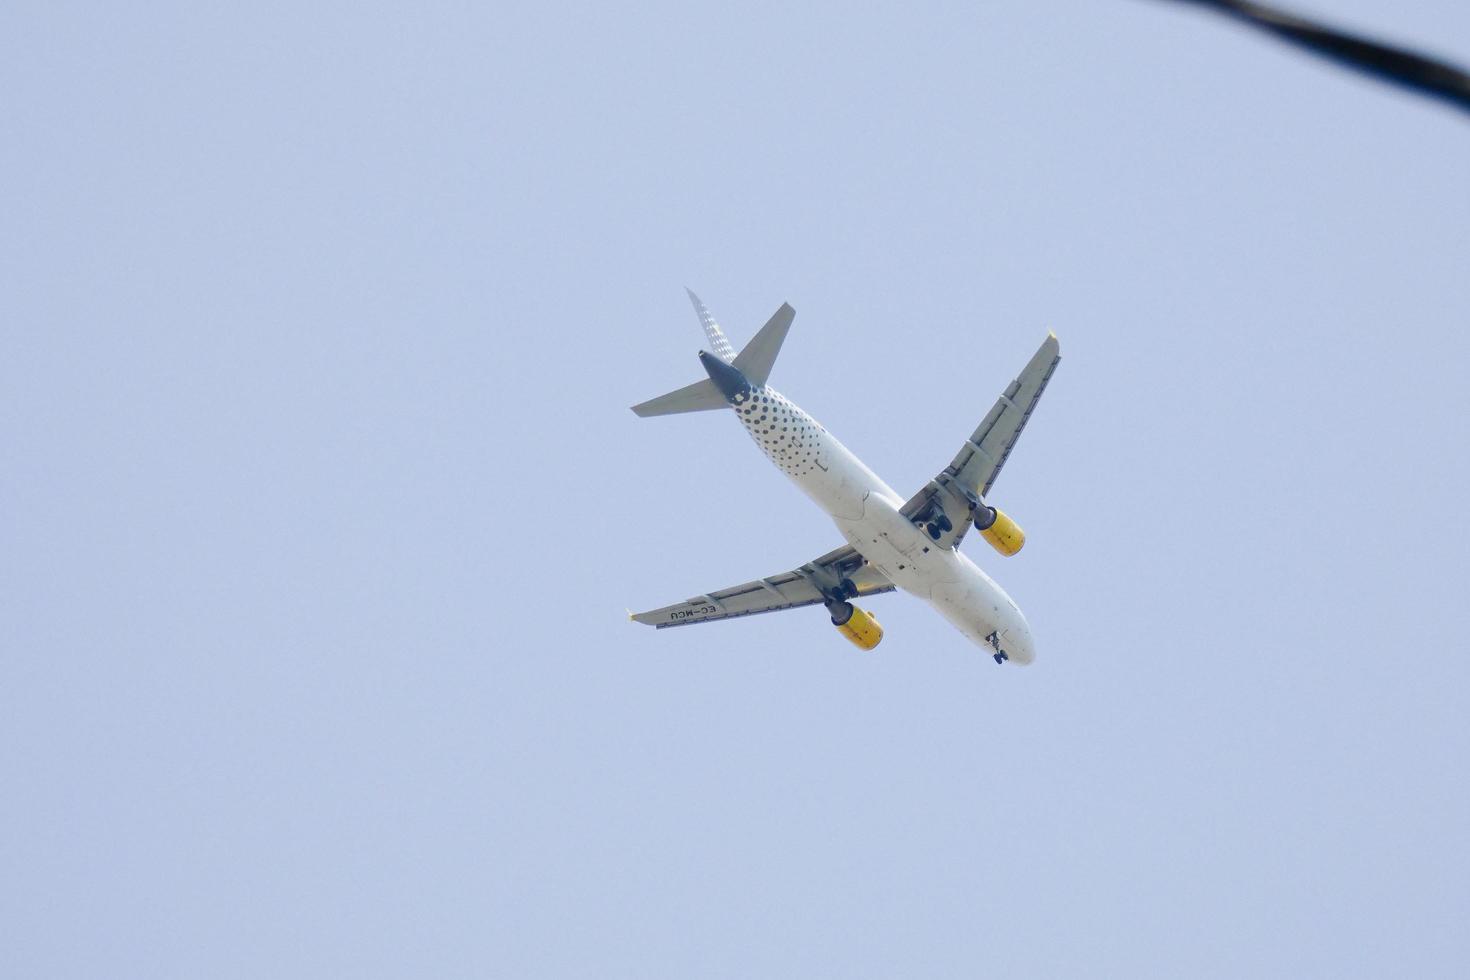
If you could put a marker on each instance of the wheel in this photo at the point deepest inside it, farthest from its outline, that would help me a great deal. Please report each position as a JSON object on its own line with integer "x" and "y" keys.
{"x": 841, "y": 612}
{"x": 933, "y": 530}
{"x": 945, "y": 524}
{"x": 1001, "y": 657}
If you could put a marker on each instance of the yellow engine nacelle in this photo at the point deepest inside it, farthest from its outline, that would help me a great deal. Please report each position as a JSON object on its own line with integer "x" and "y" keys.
{"x": 857, "y": 625}
{"x": 1004, "y": 534}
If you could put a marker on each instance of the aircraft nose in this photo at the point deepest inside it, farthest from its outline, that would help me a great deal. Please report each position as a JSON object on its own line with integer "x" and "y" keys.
{"x": 1020, "y": 647}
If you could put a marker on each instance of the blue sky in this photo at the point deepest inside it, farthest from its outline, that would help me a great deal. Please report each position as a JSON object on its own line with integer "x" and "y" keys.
{"x": 322, "y": 502}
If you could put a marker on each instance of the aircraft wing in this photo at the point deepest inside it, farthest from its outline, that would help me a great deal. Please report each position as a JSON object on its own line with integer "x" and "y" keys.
{"x": 803, "y": 586}
{"x": 975, "y": 467}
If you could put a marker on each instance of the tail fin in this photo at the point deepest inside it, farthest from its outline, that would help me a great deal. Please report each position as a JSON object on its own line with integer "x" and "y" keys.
{"x": 717, "y": 341}
{"x": 701, "y": 396}
{"x": 758, "y": 356}
{"x": 751, "y": 367}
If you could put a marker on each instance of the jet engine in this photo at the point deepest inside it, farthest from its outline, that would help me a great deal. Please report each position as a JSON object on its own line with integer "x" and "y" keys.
{"x": 855, "y": 624}
{"x": 1003, "y": 534}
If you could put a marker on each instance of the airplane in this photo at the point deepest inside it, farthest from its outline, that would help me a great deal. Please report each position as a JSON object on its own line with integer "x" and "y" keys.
{"x": 892, "y": 544}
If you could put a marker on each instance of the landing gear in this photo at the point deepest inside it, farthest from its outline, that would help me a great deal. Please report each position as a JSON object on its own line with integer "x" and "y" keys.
{"x": 840, "y": 612}
{"x": 941, "y": 524}
{"x": 994, "y": 640}
{"x": 836, "y": 598}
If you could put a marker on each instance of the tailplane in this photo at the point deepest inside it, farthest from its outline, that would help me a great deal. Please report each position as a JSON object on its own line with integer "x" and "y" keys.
{"x": 728, "y": 371}
{"x": 702, "y": 396}
{"x": 759, "y": 356}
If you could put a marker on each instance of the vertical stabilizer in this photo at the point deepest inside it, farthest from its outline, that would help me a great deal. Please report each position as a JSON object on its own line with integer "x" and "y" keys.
{"x": 717, "y": 341}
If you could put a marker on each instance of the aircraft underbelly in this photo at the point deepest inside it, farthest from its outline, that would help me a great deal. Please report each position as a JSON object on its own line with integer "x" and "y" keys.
{"x": 840, "y": 484}
{"x": 897, "y": 548}
{"x": 955, "y": 586}
{"x": 866, "y": 511}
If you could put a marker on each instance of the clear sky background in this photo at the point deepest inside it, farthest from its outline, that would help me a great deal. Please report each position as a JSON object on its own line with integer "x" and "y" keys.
{"x": 321, "y": 503}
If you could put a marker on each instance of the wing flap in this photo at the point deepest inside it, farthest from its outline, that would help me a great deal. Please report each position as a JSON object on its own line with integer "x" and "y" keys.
{"x": 980, "y": 460}
{"x": 786, "y": 590}
{"x": 978, "y": 463}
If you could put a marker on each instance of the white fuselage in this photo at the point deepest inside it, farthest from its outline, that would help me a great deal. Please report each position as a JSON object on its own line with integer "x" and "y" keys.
{"x": 866, "y": 511}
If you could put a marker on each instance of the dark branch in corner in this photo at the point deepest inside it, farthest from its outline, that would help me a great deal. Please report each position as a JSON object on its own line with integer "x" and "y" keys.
{"x": 1399, "y": 66}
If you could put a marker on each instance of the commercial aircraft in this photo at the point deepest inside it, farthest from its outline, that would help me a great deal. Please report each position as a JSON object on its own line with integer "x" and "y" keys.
{"x": 892, "y": 544}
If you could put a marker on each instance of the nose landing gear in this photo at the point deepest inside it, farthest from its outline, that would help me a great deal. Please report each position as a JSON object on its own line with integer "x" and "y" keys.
{"x": 1000, "y": 656}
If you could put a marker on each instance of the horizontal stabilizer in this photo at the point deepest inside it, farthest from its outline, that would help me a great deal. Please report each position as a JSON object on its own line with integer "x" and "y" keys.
{"x": 702, "y": 396}
{"x": 756, "y": 360}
